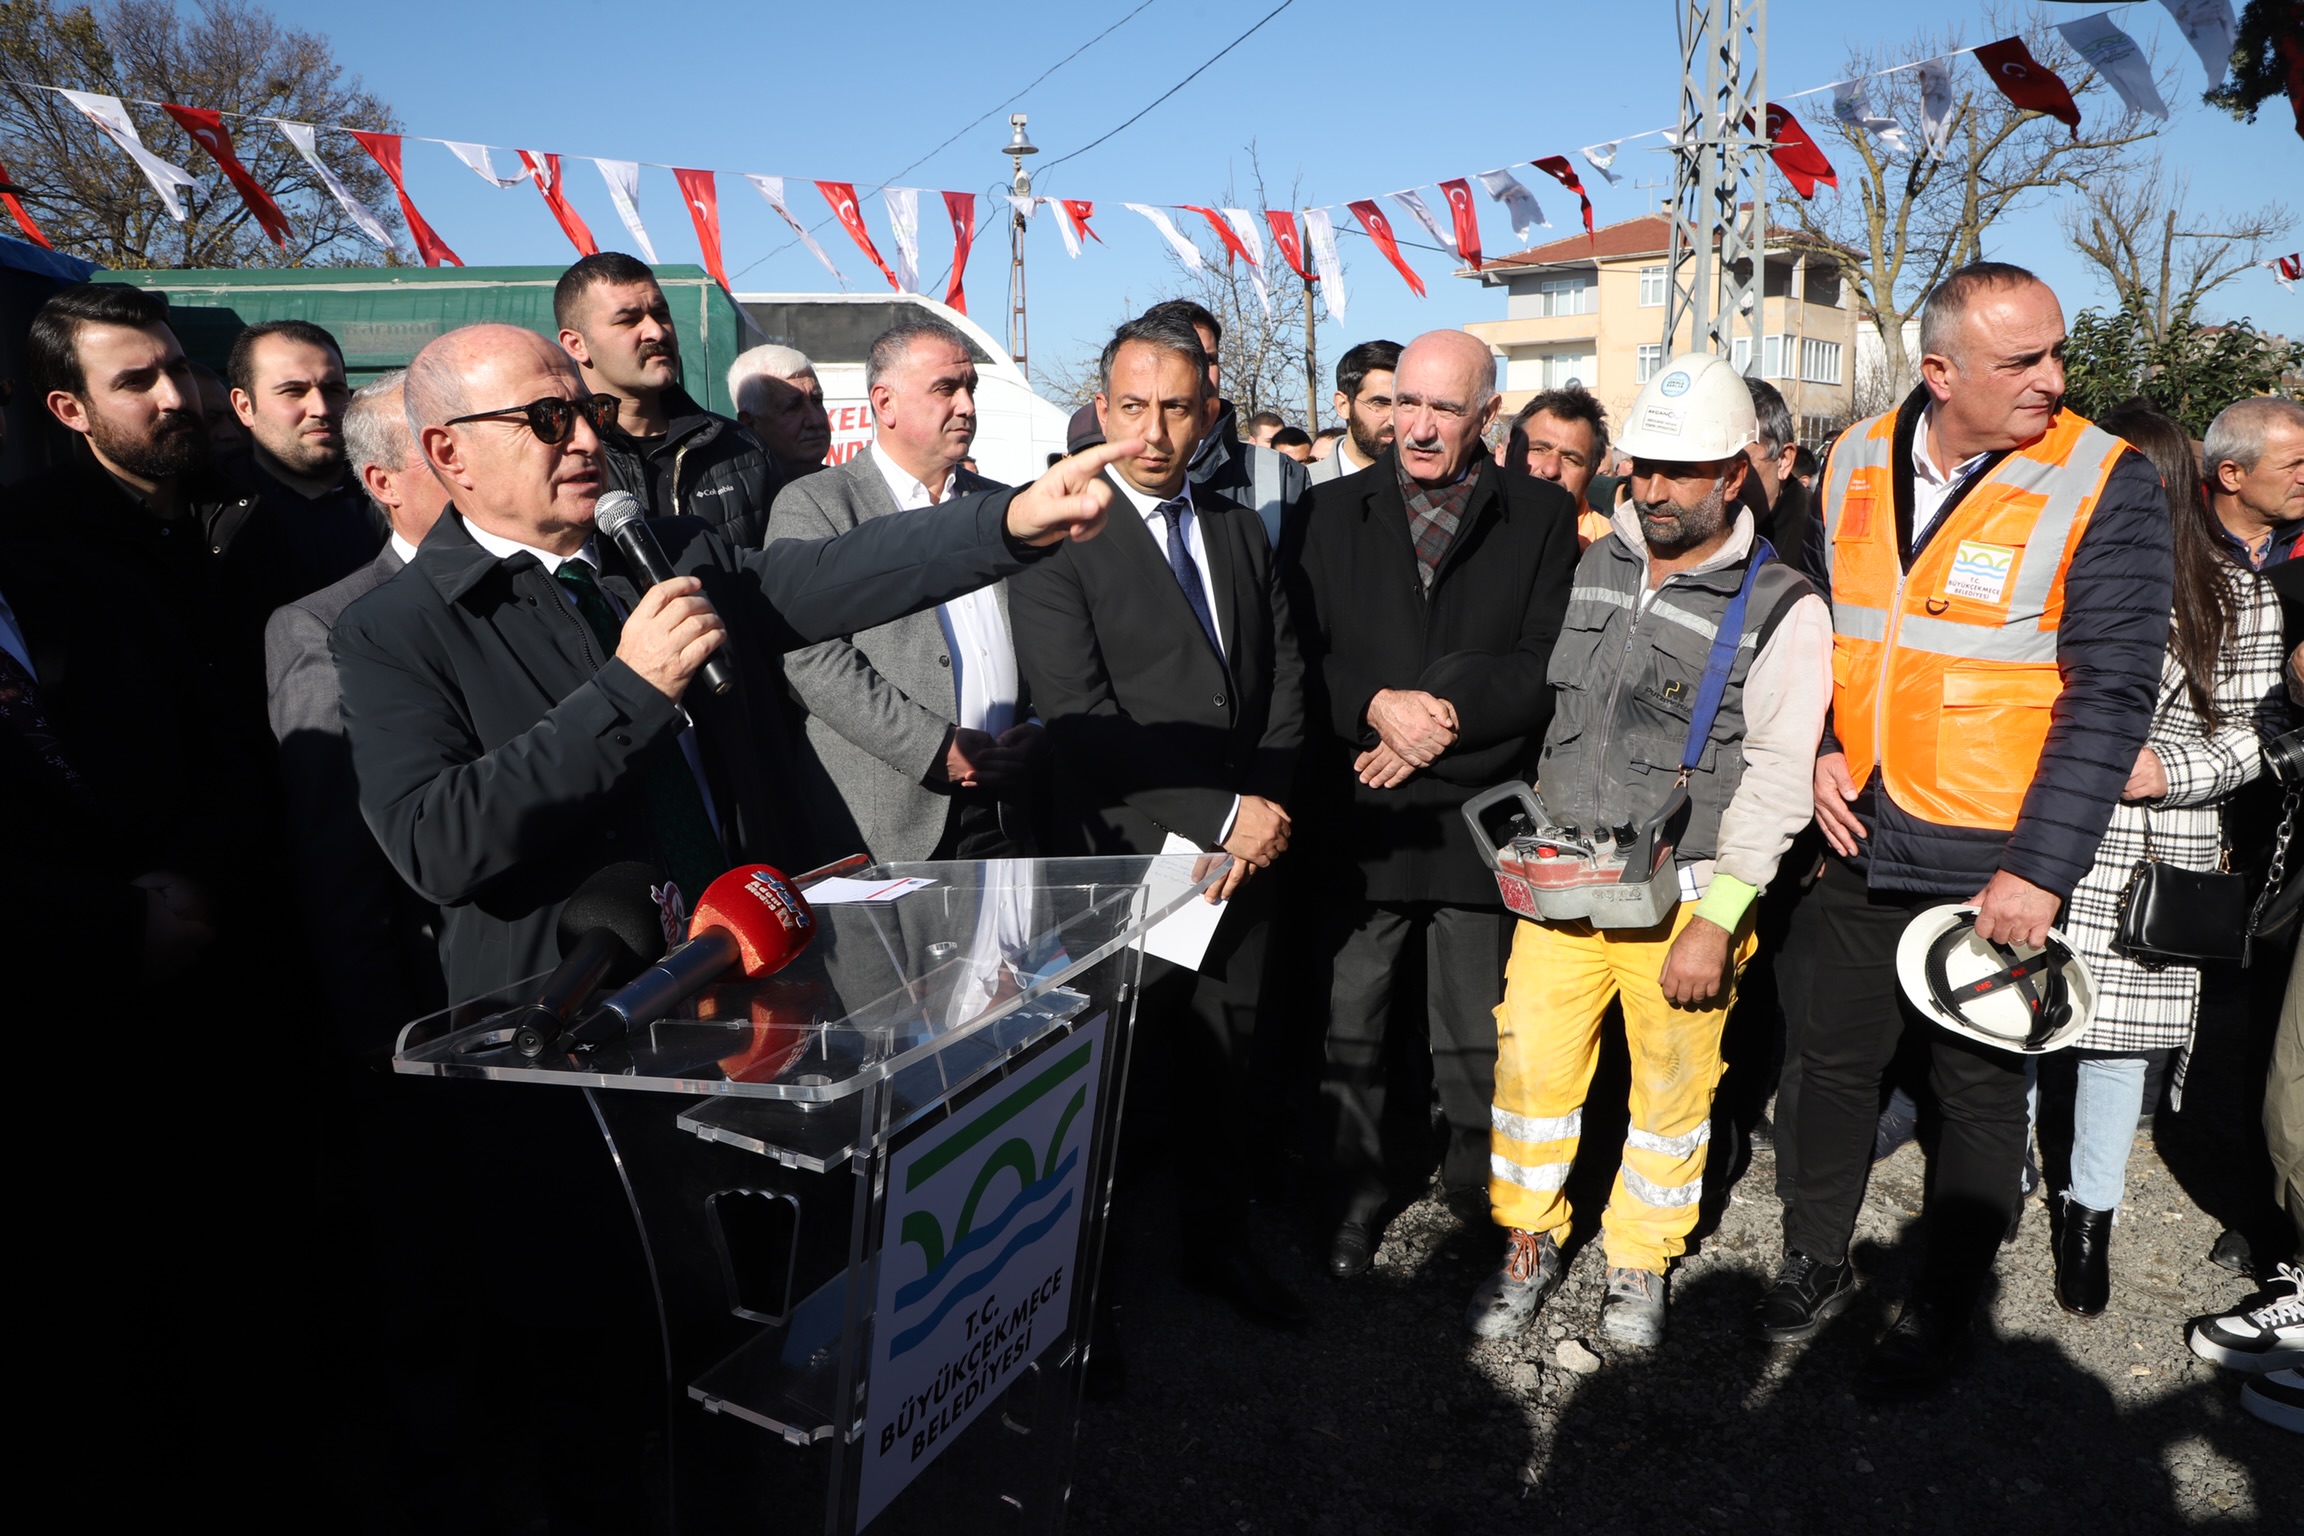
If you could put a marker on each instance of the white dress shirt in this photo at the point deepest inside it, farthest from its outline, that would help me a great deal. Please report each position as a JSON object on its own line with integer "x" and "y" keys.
{"x": 504, "y": 549}
{"x": 407, "y": 551}
{"x": 1931, "y": 486}
{"x": 975, "y": 630}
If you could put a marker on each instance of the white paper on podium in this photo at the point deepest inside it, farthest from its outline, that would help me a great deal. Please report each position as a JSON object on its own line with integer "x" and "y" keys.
{"x": 840, "y": 890}
{"x": 1181, "y": 938}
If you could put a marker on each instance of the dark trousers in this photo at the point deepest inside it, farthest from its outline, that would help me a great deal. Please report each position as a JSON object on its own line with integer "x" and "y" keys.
{"x": 1195, "y": 1079}
{"x": 1464, "y": 953}
{"x": 1852, "y": 1018}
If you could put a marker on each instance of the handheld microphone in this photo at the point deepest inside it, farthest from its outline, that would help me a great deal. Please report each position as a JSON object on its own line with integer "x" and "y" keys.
{"x": 610, "y": 930}
{"x": 750, "y": 918}
{"x": 621, "y": 517}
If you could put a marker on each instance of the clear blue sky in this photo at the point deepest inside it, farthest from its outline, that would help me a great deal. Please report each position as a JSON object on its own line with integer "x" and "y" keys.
{"x": 1343, "y": 100}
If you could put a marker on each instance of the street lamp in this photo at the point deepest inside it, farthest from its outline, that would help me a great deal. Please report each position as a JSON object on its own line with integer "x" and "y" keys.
{"x": 1017, "y": 148}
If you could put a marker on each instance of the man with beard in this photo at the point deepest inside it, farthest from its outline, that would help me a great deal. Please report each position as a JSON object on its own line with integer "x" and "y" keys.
{"x": 1678, "y": 605}
{"x": 780, "y": 401}
{"x": 288, "y": 390}
{"x": 1364, "y": 401}
{"x": 678, "y": 458}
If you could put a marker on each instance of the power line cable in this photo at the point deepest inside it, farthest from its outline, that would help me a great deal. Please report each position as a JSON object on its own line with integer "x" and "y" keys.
{"x": 1172, "y": 90}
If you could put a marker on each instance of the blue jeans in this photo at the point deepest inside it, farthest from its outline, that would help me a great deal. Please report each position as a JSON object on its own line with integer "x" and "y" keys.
{"x": 2105, "y": 1103}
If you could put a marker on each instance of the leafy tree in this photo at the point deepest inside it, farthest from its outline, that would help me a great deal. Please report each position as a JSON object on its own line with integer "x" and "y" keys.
{"x": 93, "y": 202}
{"x": 2268, "y": 44}
{"x": 2191, "y": 371}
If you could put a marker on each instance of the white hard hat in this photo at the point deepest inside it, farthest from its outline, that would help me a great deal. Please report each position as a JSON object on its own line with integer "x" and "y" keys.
{"x": 2025, "y": 1000}
{"x": 1696, "y": 411}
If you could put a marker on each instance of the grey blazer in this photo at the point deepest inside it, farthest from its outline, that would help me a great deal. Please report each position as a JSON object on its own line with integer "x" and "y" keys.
{"x": 371, "y": 936}
{"x": 878, "y": 705}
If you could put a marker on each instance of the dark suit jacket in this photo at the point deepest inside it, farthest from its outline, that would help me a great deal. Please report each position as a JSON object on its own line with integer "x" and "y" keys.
{"x": 1149, "y": 732}
{"x": 502, "y": 761}
{"x": 374, "y": 950}
{"x": 1482, "y": 639}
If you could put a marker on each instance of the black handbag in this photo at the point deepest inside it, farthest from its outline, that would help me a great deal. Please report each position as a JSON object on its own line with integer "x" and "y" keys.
{"x": 2170, "y": 915}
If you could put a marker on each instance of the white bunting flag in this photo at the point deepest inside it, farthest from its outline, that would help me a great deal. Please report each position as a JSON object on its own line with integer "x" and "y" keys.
{"x": 772, "y": 188}
{"x": 1186, "y": 251}
{"x": 108, "y": 114}
{"x": 299, "y": 136}
{"x": 1601, "y": 157}
{"x": 1414, "y": 204}
{"x": 476, "y": 156}
{"x": 1244, "y": 225}
{"x": 623, "y": 178}
{"x": 1064, "y": 228}
{"x": 2207, "y": 26}
{"x": 2285, "y": 270}
{"x": 1852, "y": 110}
{"x": 2117, "y": 59}
{"x": 904, "y": 222}
{"x": 1320, "y": 234}
{"x": 1936, "y": 105}
{"x": 1520, "y": 204}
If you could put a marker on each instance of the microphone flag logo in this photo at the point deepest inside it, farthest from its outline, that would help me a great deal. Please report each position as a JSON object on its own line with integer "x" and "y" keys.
{"x": 671, "y": 911}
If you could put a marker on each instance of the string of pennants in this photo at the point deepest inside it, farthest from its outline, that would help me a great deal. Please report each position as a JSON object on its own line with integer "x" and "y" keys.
{"x": 1306, "y": 239}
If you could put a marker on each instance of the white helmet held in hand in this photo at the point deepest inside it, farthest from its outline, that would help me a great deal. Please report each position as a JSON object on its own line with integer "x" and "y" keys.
{"x": 1696, "y": 411}
{"x": 2030, "y": 1001}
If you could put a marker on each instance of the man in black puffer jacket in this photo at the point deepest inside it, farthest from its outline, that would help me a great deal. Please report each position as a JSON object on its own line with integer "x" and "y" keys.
{"x": 678, "y": 458}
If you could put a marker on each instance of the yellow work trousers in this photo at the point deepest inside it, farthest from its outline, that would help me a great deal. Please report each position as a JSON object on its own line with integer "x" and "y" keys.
{"x": 1556, "y": 990}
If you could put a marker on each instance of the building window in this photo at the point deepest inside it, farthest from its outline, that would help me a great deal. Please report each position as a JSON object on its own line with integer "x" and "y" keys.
{"x": 1562, "y": 369}
{"x": 1823, "y": 285}
{"x": 1648, "y": 363}
{"x": 1563, "y": 296}
{"x": 1651, "y": 287}
{"x": 1772, "y": 357}
{"x": 1740, "y": 353}
{"x": 1820, "y": 362}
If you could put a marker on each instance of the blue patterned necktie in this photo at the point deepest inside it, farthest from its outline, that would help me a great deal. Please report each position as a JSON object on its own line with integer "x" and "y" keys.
{"x": 1187, "y": 570}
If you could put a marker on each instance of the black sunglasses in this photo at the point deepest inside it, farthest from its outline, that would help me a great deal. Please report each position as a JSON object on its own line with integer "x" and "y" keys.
{"x": 553, "y": 417}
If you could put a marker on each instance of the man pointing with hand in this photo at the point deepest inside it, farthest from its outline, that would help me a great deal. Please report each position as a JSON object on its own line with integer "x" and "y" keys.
{"x": 518, "y": 709}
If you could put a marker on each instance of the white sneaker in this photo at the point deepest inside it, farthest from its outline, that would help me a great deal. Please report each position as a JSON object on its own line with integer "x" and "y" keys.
{"x": 2276, "y": 1397}
{"x": 2266, "y": 1338}
{"x": 1507, "y": 1300}
{"x": 1632, "y": 1312}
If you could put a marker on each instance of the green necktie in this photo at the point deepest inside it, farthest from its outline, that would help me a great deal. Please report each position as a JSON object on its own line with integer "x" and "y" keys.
{"x": 693, "y": 854}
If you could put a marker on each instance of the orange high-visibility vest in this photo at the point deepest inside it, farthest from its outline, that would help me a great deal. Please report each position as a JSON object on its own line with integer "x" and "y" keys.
{"x": 1943, "y": 676}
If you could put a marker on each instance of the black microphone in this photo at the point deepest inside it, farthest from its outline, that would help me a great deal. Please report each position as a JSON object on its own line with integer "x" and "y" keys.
{"x": 625, "y": 522}
{"x": 612, "y": 929}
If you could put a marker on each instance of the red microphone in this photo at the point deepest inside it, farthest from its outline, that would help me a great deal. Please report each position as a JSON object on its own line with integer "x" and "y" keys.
{"x": 751, "y": 918}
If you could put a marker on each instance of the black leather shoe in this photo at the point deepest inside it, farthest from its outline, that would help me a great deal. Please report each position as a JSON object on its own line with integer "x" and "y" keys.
{"x": 1918, "y": 1351}
{"x": 1234, "y": 1275}
{"x": 2083, "y": 1260}
{"x": 1352, "y": 1251}
{"x": 2233, "y": 1251}
{"x": 1807, "y": 1294}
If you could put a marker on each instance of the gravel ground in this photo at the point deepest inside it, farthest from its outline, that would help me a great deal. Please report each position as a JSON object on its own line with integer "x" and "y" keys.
{"x": 1384, "y": 1417}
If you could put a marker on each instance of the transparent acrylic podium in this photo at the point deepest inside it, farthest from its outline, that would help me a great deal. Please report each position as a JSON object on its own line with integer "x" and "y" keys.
{"x": 871, "y": 1193}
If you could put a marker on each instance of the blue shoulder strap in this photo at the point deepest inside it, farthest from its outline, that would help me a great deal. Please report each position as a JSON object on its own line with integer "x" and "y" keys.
{"x": 1723, "y": 658}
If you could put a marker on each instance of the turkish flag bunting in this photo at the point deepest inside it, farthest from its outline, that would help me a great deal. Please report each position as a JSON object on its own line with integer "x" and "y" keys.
{"x": 960, "y": 207}
{"x": 1379, "y": 230}
{"x": 1291, "y": 242}
{"x": 23, "y": 219}
{"x": 703, "y": 199}
{"x": 546, "y": 171}
{"x": 1558, "y": 168}
{"x": 2027, "y": 82}
{"x": 842, "y": 196}
{"x": 1796, "y": 154}
{"x": 1077, "y": 212}
{"x": 1459, "y": 195}
{"x": 385, "y": 148}
{"x": 208, "y": 131}
{"x": 1224, "y": 232}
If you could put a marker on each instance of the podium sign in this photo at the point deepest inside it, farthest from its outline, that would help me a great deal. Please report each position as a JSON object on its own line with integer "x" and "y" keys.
{"x": 980, "y": 1240}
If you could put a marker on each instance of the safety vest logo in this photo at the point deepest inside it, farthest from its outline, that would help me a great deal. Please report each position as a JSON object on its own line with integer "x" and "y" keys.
{"x": 1980, "y": 571}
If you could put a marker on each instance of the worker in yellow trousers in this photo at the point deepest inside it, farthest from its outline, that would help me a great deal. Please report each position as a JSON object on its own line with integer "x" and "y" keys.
{"x": 1690, "y": 682}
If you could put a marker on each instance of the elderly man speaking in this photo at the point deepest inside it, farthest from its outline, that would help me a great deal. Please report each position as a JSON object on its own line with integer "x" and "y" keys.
{"x": 516, "y": 704}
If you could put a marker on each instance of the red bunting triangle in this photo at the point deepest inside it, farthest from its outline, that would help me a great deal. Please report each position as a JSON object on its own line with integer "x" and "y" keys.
{"x": 1379, "y": 230}
{"x": 842, "y": 196}
{"x": 1290, "y": 240}
{"x": 1078, "y": 212}
{"x": 545, "y": 169}
{"x": 2027, "y": 82}
{"x": 1558, "y": 168}
{"x": 385, "y": 149}
{"x": 960, "y": 208}
{"x": 23, "y": 219}
{"x": 1796, "y": 154}
{"x": 1224, "y": 232}
{"x": 208, "y": 131}
{"x": 1459, "y": 194}
{"x": 703, "y": 199}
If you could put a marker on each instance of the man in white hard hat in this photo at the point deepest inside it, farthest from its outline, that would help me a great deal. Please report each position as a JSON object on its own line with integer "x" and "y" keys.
{"x": 1681, "y": 568}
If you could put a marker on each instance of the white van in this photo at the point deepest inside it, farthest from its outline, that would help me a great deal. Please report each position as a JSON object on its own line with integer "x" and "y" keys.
{"x": 1016, "y": 430}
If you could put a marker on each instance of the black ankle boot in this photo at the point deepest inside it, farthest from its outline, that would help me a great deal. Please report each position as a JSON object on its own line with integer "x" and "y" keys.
{"x": 2084, "y": 1259}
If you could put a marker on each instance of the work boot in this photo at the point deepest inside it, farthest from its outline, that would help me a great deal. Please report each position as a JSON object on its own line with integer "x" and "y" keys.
{"x": 1632, "y": 1312}
{"x": 2083, "y": 1259}
{"x": 1807, "y": 1294}
{"x": 1507, "y": 1300}
{"x": 2266, "y": 1338}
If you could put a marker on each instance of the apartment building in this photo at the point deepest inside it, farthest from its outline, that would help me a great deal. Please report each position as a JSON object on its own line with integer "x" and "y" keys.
{"x": 1591, "y": 310}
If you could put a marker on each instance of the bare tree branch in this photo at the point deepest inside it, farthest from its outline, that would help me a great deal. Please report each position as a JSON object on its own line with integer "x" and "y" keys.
{"x": 2134, "y": 228}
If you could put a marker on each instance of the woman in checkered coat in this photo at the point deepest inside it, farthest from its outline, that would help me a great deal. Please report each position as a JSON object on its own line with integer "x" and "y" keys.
{"x": 2220, "y": 698}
